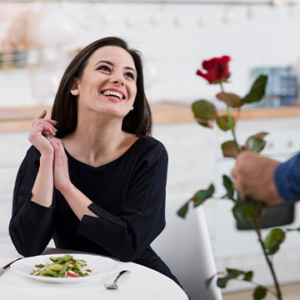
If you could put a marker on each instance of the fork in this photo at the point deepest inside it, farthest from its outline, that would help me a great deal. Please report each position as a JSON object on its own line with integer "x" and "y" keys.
{"x": 114, "y": 286}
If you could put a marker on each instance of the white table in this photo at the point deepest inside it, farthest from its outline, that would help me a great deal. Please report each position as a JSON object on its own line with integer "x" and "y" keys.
{"x": 141, "y": 283}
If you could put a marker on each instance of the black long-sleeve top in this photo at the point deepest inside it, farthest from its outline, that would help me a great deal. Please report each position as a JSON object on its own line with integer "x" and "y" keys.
{"x": 128, "y": 196}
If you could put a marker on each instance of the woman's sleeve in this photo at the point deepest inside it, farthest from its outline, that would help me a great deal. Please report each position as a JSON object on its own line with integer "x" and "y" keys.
{"x": 287, "y": 179}
{"x": 141, "y": 219}
{"x": 30, "y": 227}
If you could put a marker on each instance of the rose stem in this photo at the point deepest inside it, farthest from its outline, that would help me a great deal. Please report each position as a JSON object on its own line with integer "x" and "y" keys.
{"x": 255, "y": 223}
{"x": 231, "y": 123}
{"x": 257, "y": 229}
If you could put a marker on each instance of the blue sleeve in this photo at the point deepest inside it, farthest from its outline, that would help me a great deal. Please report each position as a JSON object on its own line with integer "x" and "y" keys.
{"x": 287, "y": 179}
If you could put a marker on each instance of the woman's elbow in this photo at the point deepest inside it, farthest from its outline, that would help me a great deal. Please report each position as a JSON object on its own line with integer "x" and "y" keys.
{"x": 23, "y": 245}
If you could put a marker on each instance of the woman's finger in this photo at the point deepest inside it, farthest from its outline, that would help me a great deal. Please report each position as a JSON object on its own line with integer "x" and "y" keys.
{"x": 53, "y": 141}
{"x": 62, "y": 149}
{"x": 44, "y": 127}
{"x": 41, "y": 115}
{"x": 53, "y": 122}
{"x": 47, "y": 124}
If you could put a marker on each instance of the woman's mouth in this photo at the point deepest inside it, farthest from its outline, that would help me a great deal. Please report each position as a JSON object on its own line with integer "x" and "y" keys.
{"x": 113, "y": 95}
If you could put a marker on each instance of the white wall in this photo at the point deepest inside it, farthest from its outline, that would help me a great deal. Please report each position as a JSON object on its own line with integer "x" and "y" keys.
{"x": 268, "y": 39}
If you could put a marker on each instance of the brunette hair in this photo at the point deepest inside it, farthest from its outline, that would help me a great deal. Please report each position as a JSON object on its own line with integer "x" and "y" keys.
{"x": 137, "y": 121}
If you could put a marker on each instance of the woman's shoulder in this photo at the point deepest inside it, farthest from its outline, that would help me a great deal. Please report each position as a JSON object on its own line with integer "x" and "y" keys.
{"x": 151, "y": 145}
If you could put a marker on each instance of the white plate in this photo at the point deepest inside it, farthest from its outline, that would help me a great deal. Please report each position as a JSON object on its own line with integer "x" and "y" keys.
{"x": 103, "y": 267}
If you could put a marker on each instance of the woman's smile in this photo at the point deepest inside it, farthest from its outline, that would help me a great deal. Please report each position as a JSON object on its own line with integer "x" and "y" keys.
{"x": 114, "y": 94}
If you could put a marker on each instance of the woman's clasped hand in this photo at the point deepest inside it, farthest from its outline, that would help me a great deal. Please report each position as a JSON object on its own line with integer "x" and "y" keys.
{"x": 43, "y": 138}
{"x": 42, "y": 128}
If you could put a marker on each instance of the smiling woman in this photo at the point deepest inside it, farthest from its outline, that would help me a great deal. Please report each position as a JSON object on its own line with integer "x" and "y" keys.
{"x": 95, "y": 182}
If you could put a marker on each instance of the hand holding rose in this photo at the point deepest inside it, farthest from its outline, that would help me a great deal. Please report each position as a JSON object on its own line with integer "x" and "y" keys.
{"x": 254, "y": 177}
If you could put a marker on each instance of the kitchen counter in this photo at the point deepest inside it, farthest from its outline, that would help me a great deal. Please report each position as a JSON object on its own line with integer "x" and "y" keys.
{"x": 13, "y": 119}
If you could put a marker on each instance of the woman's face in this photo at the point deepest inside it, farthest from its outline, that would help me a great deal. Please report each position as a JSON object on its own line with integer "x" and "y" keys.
{"x": 108, "y": 84}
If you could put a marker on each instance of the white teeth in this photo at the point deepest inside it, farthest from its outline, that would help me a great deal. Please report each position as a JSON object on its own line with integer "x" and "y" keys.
{"x": 113, "y": 93}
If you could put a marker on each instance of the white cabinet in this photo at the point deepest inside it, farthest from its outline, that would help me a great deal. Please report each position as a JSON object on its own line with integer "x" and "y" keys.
{"x": 13, "y": 147}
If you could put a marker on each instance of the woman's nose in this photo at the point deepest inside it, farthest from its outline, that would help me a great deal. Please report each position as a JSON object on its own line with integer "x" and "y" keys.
{"x": 118, "y": 79}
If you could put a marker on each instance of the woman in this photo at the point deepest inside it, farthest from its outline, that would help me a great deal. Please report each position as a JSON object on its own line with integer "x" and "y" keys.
{"x": 96, "y": 181}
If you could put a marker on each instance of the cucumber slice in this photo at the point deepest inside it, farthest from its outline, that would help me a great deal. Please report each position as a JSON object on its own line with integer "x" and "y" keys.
{"x": 54, "y": 267}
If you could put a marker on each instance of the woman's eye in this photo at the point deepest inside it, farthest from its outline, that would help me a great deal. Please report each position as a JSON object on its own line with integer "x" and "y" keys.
{"x": 130, "y": 75}
{"x": 105, "y": 68}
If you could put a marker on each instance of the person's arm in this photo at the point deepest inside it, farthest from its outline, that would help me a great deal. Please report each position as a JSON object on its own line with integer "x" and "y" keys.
{"x": 254, "y": 178}
{"x": 42, "y": 192}
{"x": 31, "y": 223}
{"x": 30, "y": 227}
{"x": 287, "y": 179}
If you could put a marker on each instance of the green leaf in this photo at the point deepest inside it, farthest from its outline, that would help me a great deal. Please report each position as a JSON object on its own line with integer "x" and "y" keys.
{"x": 230, "y": 99}
{"x": 204, "y": 112}
{"x": 229, "y": 149}
{"x": 256, "y": 145}
{"x": 205, "y": 123}
{"x": 248, "y": 276}
{"x": 228, "y": 186}
{"x": 273, "y": 240}
{"x": 244, "y": 211}
{"x": 257, "y": 90}
{"x": 259, "y": 135}
{"x": 223, "y": 122}
{"x": 233, "y": 274}
{"x": 183, "y": 210}
{"x": 259, "y": 293}
{"x": 208, "y": 281}
{"x": 255, "y": 142}
{"x": 222, "y": 281}
{"x": 202, "y": 195}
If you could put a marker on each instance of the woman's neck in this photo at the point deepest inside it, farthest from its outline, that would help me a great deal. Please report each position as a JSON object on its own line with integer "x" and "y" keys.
{"x": 95, "y": 140}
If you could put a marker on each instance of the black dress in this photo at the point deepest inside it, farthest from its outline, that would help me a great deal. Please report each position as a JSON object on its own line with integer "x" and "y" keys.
{"x": 128, "y": 195}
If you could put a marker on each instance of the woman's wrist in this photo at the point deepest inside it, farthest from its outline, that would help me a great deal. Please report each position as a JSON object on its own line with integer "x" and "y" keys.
{"x": 65, "y": 187}
{"x": 47, "y": 158}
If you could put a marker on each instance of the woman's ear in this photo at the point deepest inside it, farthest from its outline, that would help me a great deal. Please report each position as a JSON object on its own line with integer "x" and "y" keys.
{"x": 75, "y": 89}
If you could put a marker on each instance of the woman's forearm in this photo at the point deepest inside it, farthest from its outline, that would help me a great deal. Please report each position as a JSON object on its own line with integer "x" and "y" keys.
{"x": 42, "y": 191}
{"x": 77, "y": 201}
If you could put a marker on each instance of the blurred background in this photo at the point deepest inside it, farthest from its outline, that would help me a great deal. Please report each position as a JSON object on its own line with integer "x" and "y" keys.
{"x": 39, "y": 38}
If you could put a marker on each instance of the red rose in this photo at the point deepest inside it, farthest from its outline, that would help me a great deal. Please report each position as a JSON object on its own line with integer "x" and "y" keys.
{"x": 217, "y": 69}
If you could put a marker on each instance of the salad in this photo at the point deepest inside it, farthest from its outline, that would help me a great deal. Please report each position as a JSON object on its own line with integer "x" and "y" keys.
{"x": 65, "y": 266}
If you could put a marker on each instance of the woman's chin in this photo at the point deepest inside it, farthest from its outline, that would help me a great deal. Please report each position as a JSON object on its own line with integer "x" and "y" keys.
{"x": 117, "y": 112}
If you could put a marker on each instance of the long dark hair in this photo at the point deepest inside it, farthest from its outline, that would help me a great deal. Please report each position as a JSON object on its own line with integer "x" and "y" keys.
{"x": 137, "y": 121}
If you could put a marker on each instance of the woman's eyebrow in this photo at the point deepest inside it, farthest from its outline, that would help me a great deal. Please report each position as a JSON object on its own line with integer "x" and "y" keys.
{"x": 105, "y": 61}
{"x": 111, "y": 64}
{"x": 129, "y": 68}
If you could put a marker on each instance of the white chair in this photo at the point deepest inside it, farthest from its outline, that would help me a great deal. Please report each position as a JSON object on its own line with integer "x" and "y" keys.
{"x": 185, "y": 247}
